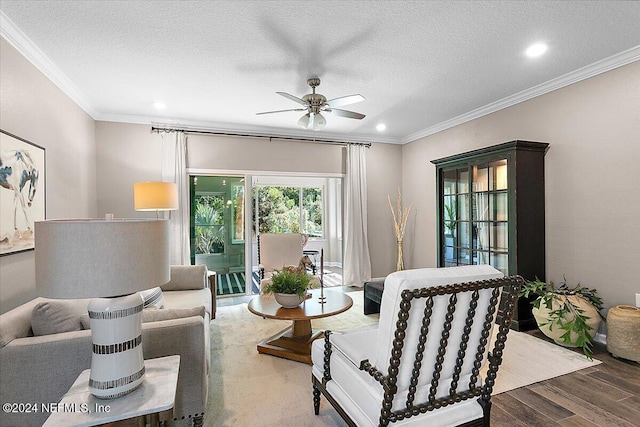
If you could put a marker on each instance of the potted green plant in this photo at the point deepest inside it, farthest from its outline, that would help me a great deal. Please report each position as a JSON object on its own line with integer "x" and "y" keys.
{"x": 569, "y": 316}
{"x": 289, "y": 288}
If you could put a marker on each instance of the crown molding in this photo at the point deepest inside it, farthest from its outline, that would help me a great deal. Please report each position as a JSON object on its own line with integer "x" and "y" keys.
{"x": 237, "y": 128}
{"x": 591, "y": 70}
{"x": 16, "y": 38}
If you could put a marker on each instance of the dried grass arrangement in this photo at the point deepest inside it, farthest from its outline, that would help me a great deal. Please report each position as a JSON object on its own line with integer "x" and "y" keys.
{"x": 400, "y": 217}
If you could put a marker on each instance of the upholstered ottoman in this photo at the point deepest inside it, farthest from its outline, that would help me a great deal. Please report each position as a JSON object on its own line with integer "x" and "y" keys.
{"x": 373, "y": 295}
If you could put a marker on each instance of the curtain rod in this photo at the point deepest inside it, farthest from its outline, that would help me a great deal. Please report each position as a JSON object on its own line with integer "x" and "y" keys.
{"x": 188, "y": 131}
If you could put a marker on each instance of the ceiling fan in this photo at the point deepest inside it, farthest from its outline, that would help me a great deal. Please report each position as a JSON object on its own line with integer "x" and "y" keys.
{"x": 315, "y": 103}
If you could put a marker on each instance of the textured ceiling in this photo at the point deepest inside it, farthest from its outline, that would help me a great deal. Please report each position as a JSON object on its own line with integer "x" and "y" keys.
{"x": 419, "y": 64}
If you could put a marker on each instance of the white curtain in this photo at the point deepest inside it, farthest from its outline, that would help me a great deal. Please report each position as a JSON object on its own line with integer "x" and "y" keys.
{"x": 174, "y": 169}
{"x": 357, "y": 262}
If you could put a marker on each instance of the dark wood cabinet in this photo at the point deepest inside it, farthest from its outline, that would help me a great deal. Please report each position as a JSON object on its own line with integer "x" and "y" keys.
{"x": 491, "y": 211}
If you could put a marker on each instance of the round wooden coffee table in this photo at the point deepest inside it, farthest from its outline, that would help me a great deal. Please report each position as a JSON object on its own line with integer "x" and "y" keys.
{"x": 295, "y": 342}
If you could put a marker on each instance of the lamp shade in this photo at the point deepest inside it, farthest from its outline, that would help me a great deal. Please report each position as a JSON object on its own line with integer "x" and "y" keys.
{"x": 155, "y": 196}
{"x": 88, "y": 258}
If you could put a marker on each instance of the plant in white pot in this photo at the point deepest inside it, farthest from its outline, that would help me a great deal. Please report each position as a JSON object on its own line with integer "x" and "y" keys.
{"x": 569, "y": 316}
{"x": 288, "y": 287}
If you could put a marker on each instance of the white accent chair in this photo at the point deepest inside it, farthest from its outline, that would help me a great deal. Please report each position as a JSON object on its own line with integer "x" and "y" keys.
{"x": 278, "y": 250}
{"x": 421, "y": 366}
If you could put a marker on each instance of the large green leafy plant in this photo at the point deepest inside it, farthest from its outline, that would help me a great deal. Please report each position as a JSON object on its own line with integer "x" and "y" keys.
{"x": 564, "y": 311}
{"x": 209, "y": 229}
{"x": 286, "y": 282}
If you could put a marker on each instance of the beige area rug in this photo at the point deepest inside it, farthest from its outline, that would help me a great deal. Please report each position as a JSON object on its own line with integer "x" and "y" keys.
{"x": 251, "y": 389}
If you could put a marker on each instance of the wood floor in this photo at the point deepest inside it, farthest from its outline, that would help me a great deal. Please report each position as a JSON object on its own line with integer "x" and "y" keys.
{"x": 605, "y": 395}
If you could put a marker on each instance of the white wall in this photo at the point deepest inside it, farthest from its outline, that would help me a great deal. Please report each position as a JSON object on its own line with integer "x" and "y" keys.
{"x": 127, "y": 153}
{"x": 592, "y": 179}
{"x": 32, "y": 107}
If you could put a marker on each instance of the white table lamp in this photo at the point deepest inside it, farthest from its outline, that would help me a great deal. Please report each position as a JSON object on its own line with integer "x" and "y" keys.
{"x": 93, "y": 258}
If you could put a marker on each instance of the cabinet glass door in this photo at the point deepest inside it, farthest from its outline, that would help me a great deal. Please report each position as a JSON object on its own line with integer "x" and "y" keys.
{"x": 489, "y": 220}
{"x": 456, "y": 243}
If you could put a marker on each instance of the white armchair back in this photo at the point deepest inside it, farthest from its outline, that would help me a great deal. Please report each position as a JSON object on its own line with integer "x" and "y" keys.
{"x": 277, "y": 250}
{"x": 390, "y": 306}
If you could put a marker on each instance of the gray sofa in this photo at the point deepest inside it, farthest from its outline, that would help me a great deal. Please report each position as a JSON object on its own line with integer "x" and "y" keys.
{"x": 40, "y": 369}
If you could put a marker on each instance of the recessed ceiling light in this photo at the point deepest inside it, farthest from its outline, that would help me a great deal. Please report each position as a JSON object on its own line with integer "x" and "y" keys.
{"x": 159, "y": 105}
{"x": 381, "y": 127}
{"x": 536, "y": 50}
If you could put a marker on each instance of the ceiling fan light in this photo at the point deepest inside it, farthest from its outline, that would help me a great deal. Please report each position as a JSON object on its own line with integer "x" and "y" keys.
{"x": 304, "y": 121}
{"x": 319, "y": 121}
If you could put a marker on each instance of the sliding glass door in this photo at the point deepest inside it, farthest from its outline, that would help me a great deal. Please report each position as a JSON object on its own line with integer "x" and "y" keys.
{"x": 228, "y": 212}
{"x": 217, "y": 229}
{"x": 307, "y": 205}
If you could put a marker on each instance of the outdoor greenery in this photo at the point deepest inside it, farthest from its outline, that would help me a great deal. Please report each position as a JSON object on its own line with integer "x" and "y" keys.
{"x": 209, "y": 224}
{"x": 565, "y": 315}
{"x": 286, "y": 282}
{"x": 289, "y": 210}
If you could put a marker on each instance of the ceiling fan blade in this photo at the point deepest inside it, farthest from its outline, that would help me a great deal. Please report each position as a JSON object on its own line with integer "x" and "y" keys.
{"x": 345, "y": 113}
{"x": 281, "y": 111}
{"x": 345, "y": 100}
{"x": 293, "y": 98}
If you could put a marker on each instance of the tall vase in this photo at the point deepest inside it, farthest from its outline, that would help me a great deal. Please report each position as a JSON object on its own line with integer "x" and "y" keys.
{"x": 400, "y": 261}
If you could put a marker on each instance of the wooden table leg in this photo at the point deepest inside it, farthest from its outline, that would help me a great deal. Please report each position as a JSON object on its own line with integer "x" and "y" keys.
{"x": 293, "y": 343}
{"x": 301, "y": 328}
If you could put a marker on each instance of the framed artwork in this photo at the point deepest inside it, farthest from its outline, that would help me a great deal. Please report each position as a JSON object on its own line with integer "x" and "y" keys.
{"x": 22, "y": 192}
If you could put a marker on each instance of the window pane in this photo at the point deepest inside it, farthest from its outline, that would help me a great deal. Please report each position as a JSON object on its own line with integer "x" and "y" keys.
{"x": 481, "y": 257}
{"x": 289, "y": 210}
{"x": 482, "y": 238}
{"x": 464, "y": 258}
{"x": 499, "y": 206}
{"x": 449, "y": 213}
{"x": 463, "y": 182}
{"x": 463, "y": 207}
{"x": 312, "y": 212}
{"x": 278, "y": 209}
{"x": 499, "y": 236}
{"x": 209, "y": 223}
{"x": 449, "y": 182}
{"x": 481, "y": 207}
{"x": 500, "y": 262}
{"x": 463, "y": 235}
{"x": 449, "y": 250}
{"x": 480, "y": 178}
{"x": 237, "y": 199}
{"x": 498, "y": 175}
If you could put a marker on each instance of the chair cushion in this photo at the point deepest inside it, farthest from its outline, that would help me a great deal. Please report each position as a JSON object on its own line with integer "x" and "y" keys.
{"x": 156, "y": 315}
{"x": 57, "y": 316}
{"x": 152, "y": 315}
{"x": 186, "y": 277}
{"x": 425, "y": 278}
{"x": 188, "y": 299}
{"x": 361, "y": 396}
